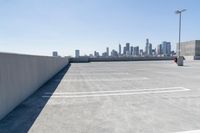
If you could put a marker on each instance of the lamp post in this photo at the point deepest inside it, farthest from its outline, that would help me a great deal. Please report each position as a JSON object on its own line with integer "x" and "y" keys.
{"x": 179, "y": 59}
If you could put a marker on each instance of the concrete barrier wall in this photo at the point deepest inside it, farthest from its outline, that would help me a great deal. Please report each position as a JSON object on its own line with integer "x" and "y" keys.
{"x": 79, "y": 59}
{"x": 103, "y": 59}
{"x": 21, "y": 75}
{"x": 130, "y": 59}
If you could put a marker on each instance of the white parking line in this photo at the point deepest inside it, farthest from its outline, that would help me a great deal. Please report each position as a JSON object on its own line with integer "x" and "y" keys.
{"x": 192, "y": 131}
{"x": 110, "y": 79}
{"x": 78, "y": 74}
{"x": 118, "y": 93}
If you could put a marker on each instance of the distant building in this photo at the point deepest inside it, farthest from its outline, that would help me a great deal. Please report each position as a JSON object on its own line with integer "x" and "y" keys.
{"x": 107, "y": 51}
{"x": 190, "y": 48}
{"x": 148, "y": 48}
{"x": 114, "y": 53}
{"x": 96, "y": 54}
{"x": 120, "y": 49}
{"x": 147, "y": 45}
{"x": 159, "y": 50}
{"x": 141, "y": 52}
{"x": 91, "y": 55}
{"x": 136, "y": 51}
{"x": 124, "y": 51}
{"x": 127, "y": 49}
{"x": 77, "y": 53}
{"x": 104, "y": 54}
{"x": 131, "y": 52}
{"x": 166, "y": 48}
{"x": 154, "y": 52}
{"x": 55, "y": 53}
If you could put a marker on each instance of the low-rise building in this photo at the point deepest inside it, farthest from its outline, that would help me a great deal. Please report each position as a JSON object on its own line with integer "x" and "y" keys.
{"x": 189, "y": 49}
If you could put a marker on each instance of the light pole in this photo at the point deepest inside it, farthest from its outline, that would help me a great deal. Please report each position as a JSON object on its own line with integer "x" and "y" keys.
{"x": 180, "y": 58}
{"x": 179, "y": 39}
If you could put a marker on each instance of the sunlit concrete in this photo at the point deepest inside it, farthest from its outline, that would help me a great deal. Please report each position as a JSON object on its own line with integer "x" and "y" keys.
{"x": 114, "y": 97}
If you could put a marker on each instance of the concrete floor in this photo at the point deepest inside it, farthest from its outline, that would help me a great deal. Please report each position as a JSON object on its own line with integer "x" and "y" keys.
{"x": 113, "y": 97}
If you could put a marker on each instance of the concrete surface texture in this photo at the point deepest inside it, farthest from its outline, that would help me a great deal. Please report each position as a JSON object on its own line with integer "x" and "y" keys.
{"x": 21, "y": 75}
{"x": 113, "y": 97}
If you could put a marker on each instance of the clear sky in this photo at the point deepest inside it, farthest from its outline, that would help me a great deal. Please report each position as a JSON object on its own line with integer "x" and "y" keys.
{"x": 42, "y": 26}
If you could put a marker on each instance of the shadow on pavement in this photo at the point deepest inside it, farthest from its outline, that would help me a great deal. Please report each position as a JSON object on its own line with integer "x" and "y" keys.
{"x": 21, "y": 119}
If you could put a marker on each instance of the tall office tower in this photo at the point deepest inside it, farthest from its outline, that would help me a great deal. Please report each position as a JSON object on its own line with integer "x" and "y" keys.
{"x": 136, "y": 51}
{"x": 77, "y": 53}
{"x": 124, "y": 51}
{"x": 127, "y": 47}
{"x": 120, "y": 49}
{"x": 107, "y": 51}
{"x": 132, "y": 50}
{"x": 159, "y": 49}
{"x": 148, "y": 48}
{"x": 95, "y": 53}
{"x": 55, "y": 53}
{"x": 147, "y": 41}
{"x": 166, "y": 46}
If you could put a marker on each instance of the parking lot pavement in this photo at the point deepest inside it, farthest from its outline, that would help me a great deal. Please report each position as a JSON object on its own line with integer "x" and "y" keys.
{"x": 114, "y": 97}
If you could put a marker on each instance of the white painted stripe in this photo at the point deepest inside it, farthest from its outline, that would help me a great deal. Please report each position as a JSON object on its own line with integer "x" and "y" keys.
{"x": 117, "y": 91}
{"x": 78, "y": 74}
{"x": 139, "y": 69}
{"x": 192, "y": 131}
{"x": 116, "y": 94}
{"x": 110, "y": 79}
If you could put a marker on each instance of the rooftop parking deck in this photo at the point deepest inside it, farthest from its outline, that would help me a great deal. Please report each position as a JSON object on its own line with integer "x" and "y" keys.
{"x": 113, "y": 97}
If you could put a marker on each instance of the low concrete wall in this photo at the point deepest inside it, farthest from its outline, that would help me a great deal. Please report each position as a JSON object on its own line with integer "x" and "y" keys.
{"x": 196, "y": 57}
{"x": 130, "y": 59}
{"x": 103, "y": 59}
{"x": 79, "y": 59}
{"x": 21, "y": 75}
{"x": 191, "y": 58}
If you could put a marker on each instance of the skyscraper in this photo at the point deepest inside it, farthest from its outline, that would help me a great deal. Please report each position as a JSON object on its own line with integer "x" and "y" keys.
{"x": 120, "y": 49}
{"x": 136, "y": 51}
{"x": 77, "y": 53}
{"x": 166, "y": 47}
{"x": 107, "y": 51}
{"x": 132, "y": 51}
{"x": 124, "y": 51}
{"x": 128, "y": 47}
{"x": 159, "y": 49}
{"x": 147, "y": 45}
{"x": 148, "y": 48}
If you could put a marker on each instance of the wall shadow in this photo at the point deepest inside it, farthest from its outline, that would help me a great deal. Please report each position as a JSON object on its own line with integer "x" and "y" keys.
{"x": 21, "y": 119}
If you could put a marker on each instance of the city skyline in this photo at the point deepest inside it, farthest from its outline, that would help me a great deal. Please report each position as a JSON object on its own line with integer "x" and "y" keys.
{"x": 162, "y": 49}
{"x": 40, "y": 27}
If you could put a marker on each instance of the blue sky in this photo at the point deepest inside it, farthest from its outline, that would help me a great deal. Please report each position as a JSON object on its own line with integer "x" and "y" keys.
{"x": 42, "y": 26}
